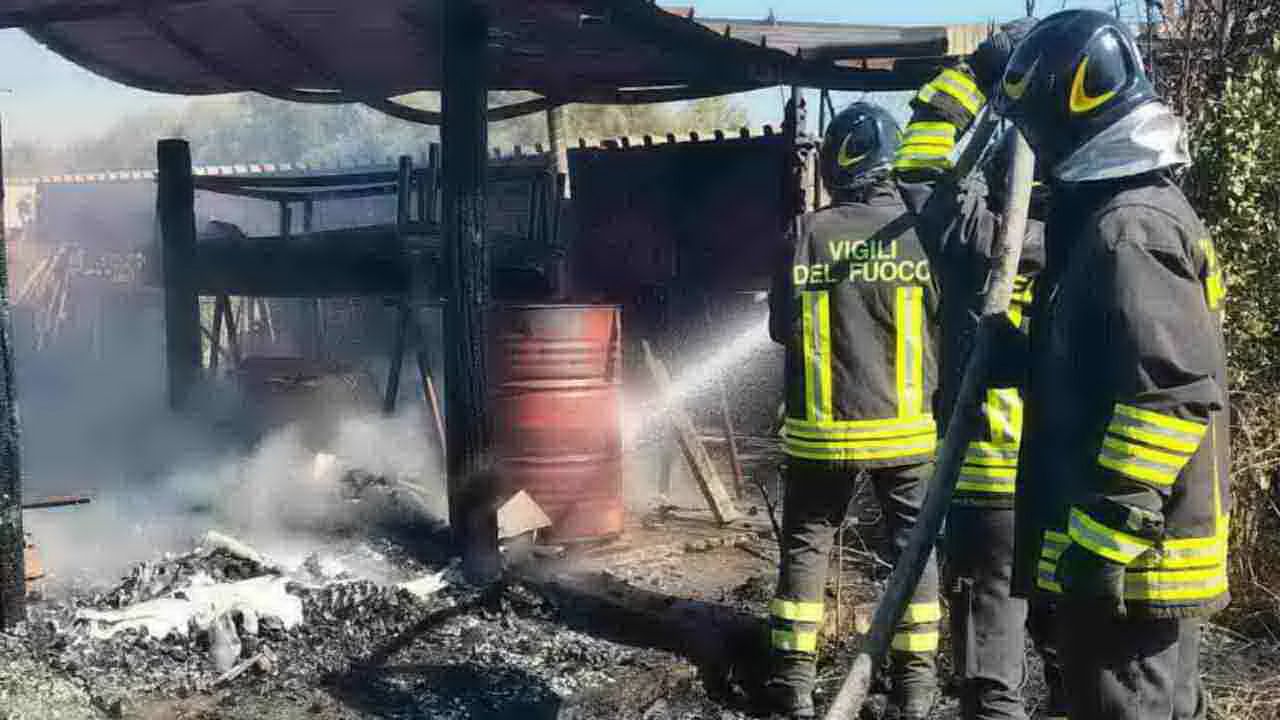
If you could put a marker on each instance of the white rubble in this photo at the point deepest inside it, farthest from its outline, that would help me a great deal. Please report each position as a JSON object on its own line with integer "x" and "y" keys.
{"x": 197, "y": 606}
{"x": 427, "y": 585}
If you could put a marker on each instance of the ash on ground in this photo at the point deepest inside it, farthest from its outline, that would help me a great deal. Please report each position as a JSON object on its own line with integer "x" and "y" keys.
{"x": 179, "y": 638}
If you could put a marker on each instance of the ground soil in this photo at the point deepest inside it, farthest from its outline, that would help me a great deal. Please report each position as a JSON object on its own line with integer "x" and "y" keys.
{"x": 662, "y": 623}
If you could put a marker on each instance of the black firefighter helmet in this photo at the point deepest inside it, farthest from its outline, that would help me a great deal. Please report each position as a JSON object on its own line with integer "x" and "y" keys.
{"x": 858, "y": 147}
{"x": 1075, "y": 74}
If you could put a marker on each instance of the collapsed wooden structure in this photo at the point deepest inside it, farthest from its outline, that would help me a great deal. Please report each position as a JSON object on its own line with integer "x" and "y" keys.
{"x": 596, "y": 51}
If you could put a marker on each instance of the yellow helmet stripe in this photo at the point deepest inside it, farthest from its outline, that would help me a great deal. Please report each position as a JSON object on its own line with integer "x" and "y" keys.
{"x": 1081, "y": 100}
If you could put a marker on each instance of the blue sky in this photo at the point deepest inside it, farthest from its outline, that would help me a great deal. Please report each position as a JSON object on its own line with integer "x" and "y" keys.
{"x": 45, "y": 98}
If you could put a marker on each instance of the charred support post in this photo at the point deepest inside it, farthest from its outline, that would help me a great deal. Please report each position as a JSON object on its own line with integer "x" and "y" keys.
{"x": 175, "y": 207}
{"x": 13, "y": 586}
{"x": 464, "y": 136}
{"x": 555, "y": 140}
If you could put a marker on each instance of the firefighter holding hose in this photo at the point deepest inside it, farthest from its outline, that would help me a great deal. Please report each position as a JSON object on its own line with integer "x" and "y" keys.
{"x": 1123, "y": 513}
{"x": 855, "y": 306}
{"x": 958, "y": 224}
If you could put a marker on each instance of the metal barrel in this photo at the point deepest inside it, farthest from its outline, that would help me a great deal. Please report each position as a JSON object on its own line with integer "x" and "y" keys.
{"x": 556, "y": 413}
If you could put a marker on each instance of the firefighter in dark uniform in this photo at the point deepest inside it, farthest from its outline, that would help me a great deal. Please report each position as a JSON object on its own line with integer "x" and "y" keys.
{"x": 855, "y": 305}
{"x": 1124, "y": 513}
{"x": 958, "y": 226}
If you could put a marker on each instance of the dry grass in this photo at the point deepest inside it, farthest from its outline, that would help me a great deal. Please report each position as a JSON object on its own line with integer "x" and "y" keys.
{"x": 1242, "y": 675}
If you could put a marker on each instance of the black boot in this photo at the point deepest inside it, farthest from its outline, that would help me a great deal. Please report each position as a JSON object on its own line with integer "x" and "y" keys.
{"x": 789, "y": 690}
{"x": 915, "y": 686}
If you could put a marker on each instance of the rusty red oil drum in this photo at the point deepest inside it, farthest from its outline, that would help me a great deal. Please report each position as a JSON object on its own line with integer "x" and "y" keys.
{"x": 556, "y": 381}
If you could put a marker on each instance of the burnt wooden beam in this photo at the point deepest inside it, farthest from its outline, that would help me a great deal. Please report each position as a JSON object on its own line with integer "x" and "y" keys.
{"x": 175, "y": 208}
{"x": 704, "y": 471}
{"x": 357, "y": 261}
{"x": 464, "y": 136}
{"x": 13, "y": 586}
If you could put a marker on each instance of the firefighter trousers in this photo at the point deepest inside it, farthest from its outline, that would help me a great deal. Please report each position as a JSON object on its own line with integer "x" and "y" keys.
{"x": 1129, "y": 669}
{"x": 816, "y": 498}
{"x": 989, "y": 626}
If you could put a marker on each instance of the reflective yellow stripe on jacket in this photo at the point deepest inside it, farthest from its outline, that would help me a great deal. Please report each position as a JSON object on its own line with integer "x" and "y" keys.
{"x": 820, "y": 436}
{"x": 1149, "y": 446}
{"x": 990, "y": 467}
{"x": 909, "y": 318}
{"x": 957, "y": 86}
{"x": 926, "y": 144}
{"x": 1184, "y": 570}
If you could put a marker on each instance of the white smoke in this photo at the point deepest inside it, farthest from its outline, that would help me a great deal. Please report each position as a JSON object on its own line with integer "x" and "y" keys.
{"x": 277, "y": 497}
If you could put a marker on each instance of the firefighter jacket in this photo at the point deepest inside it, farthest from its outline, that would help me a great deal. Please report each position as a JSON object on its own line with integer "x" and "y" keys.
{"x": 1125, "y": 443}
{"x": 855, "y": 306}
{"x": 958, "y": 230}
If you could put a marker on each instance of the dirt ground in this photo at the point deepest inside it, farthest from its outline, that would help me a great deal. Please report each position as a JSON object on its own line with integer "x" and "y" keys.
{"x": 663, "y": 623}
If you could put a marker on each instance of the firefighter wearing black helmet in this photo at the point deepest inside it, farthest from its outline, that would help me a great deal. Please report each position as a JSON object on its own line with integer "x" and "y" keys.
{"x": 1125, "y": 436}
{"x": 855, "y": 305}
{"x": 958, "y": 224}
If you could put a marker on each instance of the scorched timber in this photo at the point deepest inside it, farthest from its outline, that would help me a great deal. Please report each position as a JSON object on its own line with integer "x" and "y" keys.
{"x": 352, "y": 261}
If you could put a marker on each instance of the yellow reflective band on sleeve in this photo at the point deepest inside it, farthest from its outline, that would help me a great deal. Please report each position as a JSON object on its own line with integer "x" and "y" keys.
{"x": 1052, "y": 547}
{"x": 920, "y": 613}
{"x": 1052, "y": 537}
{"x": 1176, "y": 585}
{"x": 990, "y": 487}
{"x": 1015, "y": 314}
{"x": 989, "y": 472}
{"x": 1140, "y": 462}
{"x": 921, "y": 152}
{"x": 920, "y": 162}
{"x": 1003, "y": 409}
{"x": 938, "y": 128}
{"x": 816, "y": 324}
{"x": 992, "y": 454}
{"x": 909, "y": 318}
{"x": 1106, "y": 542}
{"x": 796, "y": 611}
{"x": 956, "y": 85}
{"x": 1020, "y": 299}
{"x": 915, "y": 642}
{"x": 1157, "y": 429}
{"x": 795, "y": 641}
{"x": 929, "y": 140}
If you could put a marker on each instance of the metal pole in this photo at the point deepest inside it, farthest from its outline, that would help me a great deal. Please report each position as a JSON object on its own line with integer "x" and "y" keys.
{"x": 907, "y": 571}
{"x": 175, "y": 205}
{"x": 464, "y": 136}
{"x": 13, "y": 587}
{"x": 313, "y": 343}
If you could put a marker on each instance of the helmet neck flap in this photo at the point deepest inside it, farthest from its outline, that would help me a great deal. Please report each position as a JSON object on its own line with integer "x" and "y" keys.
{"x": 1149, "y": 138}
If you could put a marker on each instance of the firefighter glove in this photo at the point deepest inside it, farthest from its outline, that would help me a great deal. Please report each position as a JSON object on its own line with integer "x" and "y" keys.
{"x": 1088, "y": 578}
{"x": 992, "y": 56}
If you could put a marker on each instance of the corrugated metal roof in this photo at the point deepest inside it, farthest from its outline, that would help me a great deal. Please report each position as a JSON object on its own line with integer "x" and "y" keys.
{"x": 368, "y": 51}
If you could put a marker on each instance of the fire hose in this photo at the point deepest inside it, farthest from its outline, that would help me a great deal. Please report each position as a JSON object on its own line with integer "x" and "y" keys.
{"x": 906, "y": 573}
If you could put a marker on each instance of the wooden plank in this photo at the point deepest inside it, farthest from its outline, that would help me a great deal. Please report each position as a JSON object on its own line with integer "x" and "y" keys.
{"x": 695, "y": 452}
